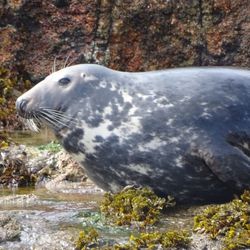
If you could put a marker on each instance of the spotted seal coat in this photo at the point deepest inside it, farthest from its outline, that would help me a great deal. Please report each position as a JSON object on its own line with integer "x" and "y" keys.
{"x": 183, "y": 132}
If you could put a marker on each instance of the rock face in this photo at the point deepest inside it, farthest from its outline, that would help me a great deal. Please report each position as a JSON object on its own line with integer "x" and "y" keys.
{"x": 126, "y": 35}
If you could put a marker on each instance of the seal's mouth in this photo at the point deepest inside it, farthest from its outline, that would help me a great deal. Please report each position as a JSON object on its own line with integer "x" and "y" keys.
{"x": 31, "y": 120}
{"x": 53, "y": 118}
{"x": 34, "y": 116}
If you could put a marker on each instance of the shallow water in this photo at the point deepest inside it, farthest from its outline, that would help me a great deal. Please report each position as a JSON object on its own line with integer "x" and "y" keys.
{"x": 53, "y": 220}
{"x": 30, "y": 138}
{"x": 48, "y": 220}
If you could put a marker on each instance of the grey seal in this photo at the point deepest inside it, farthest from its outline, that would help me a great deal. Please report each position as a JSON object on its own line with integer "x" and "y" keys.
{"x": 183, "y": 132}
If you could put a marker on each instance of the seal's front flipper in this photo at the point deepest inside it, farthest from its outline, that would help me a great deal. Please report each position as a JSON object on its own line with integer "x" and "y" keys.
{"x": 230, "y": 161}
{"x": 240, "y": 141}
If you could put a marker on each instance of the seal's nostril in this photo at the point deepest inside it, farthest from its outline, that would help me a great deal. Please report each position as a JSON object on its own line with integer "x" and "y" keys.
{"x": 21, "y": 105}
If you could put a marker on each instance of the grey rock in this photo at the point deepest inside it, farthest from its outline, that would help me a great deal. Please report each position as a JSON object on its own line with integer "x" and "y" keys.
{"x": 10, "y": 229}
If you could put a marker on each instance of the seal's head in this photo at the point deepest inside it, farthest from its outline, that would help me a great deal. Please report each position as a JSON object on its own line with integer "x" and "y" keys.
{"x": 52, "y": 100}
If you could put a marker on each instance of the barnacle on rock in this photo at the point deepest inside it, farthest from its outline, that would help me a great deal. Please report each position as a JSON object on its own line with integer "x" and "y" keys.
{"x": 229, "y": 222}
{"x": 131, "y": 205}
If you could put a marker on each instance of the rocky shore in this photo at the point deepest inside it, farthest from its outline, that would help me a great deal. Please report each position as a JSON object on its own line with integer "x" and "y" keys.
{"x": 46, "y": 200}
{"x": 44, "y": 166}
{"x": 42, "y": 191}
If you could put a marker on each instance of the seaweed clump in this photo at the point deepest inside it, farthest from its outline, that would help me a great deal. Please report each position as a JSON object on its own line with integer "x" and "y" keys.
{"x": 9, "y": 83}
{"x": 4, "y": 142}
{"x": 134, "y": 205}
{"x": 157, "y": 240}
{"x": 14, "y": 172}
{"x": 229, "y": 222}
{"x": 87, "y": 239}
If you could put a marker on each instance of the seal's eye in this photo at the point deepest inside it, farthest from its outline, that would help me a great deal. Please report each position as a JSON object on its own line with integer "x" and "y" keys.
{"x": 64, "y": 81}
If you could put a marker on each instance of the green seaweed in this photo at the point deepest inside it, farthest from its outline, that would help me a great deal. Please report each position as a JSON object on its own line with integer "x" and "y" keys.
{"x": 89, "y": 239}
{"x": 229, "y": 222}
{"x": 134, "y": 205}
{"x": 139, "y": 206}
{"x": 10, "y": 82}
{"x": 53, "y": 147}
{"x": 86, "y": 239}
{"x": 4, "y": 142}
{"x": 157, "y": 240}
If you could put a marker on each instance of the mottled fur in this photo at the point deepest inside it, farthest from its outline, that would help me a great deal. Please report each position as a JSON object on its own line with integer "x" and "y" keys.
{"x": 183, "y": 132}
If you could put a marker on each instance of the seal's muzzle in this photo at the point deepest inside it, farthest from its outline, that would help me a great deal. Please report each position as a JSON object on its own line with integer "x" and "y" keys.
{"x": 21, "y": 106}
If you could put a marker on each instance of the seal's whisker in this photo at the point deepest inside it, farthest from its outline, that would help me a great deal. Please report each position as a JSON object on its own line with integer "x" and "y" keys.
{"x": 53, "y": 119}
{"x": 66, "y": 61}
{"x": 54, "y": 65}
{"x": 64, "y": 118}
{"x": 59, "y": 119}
{"x": 60, "y": 114}
{"x": 50, "y": 123}
{"x": 56, "y": 119}
{"x": 37, "y": 121}
{"x": 70, "y": 63}
{"x": 32, "y": 125}
{"x": 49, "y": 120}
